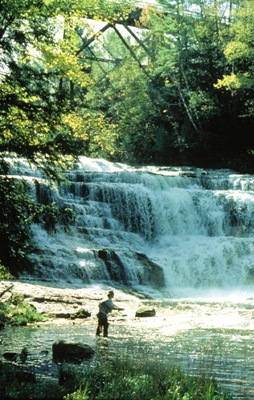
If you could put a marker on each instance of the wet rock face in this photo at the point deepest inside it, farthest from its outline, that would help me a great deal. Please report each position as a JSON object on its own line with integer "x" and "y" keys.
{"x": 71, "y": 352}
{"x": 152, "y": 274}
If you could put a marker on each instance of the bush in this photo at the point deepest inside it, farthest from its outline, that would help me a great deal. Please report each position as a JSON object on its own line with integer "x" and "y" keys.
{"x": 21, "y": 313}
{"x": 24, "y": 313}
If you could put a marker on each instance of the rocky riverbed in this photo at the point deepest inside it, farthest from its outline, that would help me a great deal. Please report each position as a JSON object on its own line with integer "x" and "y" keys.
{"x": 212, "y": 336}
{"x": 60, "y": 303}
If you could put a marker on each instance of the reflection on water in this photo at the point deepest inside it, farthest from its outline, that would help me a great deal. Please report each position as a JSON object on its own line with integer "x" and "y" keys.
{"x": 203, "y": 337}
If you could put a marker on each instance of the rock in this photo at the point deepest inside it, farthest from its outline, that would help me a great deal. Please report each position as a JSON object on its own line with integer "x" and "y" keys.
{"x": 153, "y": 273}
{"x": 54, "y": 299}
{"x": 59, "y": 315}
{"x": 80, "y": 314}
{"x": 250, "y": 276}
{"x": 114, "y": 265}
{"x": 145, "y": 312}
{"x": 150, "y": 272}
{"x": 11, "y": 356}
{"x": 71, "y": 352}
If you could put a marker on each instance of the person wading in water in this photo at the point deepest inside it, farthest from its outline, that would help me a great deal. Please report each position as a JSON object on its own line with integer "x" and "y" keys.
{"x": 105, "y": 307}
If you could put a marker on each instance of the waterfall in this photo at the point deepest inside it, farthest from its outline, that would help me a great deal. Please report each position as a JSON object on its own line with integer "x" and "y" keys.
{"x": 164, "y": 227}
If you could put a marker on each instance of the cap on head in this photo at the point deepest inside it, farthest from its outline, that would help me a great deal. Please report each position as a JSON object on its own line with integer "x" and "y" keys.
{"x": 110, "y": 293}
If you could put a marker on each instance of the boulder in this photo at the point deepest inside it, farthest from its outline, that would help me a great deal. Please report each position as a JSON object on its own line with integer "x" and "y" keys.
{"x": 71, "y": 352}
{"x": 145, "y": 312}
{"x": 11, "y": 356}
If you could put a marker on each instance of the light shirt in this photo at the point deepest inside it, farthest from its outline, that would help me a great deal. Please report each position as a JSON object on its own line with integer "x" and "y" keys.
{"x": 106, "y": 306}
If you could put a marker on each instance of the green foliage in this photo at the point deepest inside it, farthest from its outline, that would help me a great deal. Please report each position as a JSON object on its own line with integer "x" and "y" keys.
{"x": 165, "y": 102}
{"x": 183, "y": 95}
{"x": 113, "y": 381}
{"x": 122, "y": 380}
{"x": 16, "y": 216}
{"x": 36, "y": 110}
{"x": 39, "y": 46}
{"x": 19, "y": 212}
{"x": 4, "y": 272}
{"x": 25, "y": 313}
{"x": 4, "y": 311}
{"x": 239, "y": 54}
{"x": 17, "y": 312}
{"x": 121, "y": 97}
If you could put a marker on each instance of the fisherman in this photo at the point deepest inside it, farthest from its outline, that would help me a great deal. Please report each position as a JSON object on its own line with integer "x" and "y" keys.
{"x": 105, "y": 307}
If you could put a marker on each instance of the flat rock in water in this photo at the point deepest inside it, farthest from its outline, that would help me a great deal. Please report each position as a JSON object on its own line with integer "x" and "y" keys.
{"x": 79, "y": 314}
{"x": 71, "y": 352}
{"x": 145, "y": 312}
{"x": 82, "y": 313}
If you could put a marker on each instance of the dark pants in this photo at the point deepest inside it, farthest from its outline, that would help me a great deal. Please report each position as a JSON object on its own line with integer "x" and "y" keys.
{"x": 102, "y": 322}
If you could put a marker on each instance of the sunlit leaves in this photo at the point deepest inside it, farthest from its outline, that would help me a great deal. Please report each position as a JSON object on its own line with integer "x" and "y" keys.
{"x": 78, "y": 122}
{"x": 239, "y": 53}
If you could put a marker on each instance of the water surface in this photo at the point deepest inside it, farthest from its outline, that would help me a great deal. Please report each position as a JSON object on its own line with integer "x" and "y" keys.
{"x": 203, "y": 336}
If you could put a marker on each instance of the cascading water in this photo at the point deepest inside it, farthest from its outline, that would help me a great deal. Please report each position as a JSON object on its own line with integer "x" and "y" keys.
{"x": 173, "y": 228}
{"x": 184, "y": 236}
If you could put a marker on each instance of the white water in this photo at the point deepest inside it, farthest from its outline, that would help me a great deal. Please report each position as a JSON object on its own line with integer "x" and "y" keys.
{"x": 197, "y": 225}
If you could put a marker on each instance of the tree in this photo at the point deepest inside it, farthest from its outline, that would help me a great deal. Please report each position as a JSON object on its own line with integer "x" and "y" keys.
{"x": 239, "y": 52}
{"x": 190, "y": 60}
{"x": 37, "y": 117}
{"x": 120, "y": 92}
{"x": 237, "y": 82}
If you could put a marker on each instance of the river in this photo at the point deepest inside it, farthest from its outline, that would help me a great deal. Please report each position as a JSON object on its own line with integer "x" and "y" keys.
{"x": 184, "y": 237}
{"x": 211, "y": 336}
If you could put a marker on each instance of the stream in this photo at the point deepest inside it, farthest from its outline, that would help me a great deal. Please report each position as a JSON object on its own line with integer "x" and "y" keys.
{"x": 211, "y": 336}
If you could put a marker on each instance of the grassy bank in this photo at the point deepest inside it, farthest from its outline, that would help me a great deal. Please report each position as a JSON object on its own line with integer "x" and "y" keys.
{"x": 124, "y": 380}
{"x": 112, "y": 381}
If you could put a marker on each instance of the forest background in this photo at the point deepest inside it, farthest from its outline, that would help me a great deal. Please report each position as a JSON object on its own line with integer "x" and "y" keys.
{"x": 178, "y": 92}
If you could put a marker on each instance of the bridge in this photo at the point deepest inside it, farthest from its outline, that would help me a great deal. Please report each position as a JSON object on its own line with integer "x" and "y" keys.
{"x": 136, "y": 18}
